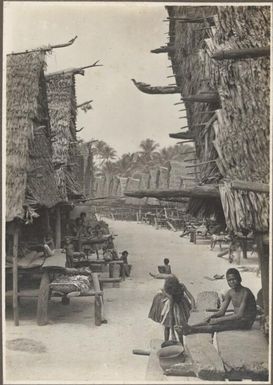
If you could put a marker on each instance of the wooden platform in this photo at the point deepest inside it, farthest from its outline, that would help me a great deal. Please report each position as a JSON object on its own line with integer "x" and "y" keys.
{"x": 207, "y": 362}
{"x": 154, "y": 371}
{"x": 244, "y": 354}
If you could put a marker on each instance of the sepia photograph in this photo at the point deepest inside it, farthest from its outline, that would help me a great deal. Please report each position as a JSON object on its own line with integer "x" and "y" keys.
{"x": 137, "y": 152}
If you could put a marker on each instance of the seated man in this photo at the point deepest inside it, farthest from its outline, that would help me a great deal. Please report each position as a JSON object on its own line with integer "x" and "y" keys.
{"x": 243, "y": 316}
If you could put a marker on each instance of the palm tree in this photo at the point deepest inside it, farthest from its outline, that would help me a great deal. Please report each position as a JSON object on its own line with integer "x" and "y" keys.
{"x": 167, "y": 154}
{"x": 103, "y": 152}
{"x": 148, "y": 147}
{"x": 126, "y": 164}
{"x": 109, "y": 168}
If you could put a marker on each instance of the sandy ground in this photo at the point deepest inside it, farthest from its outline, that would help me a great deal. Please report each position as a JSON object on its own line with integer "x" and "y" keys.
{"x": 73, "y": 349}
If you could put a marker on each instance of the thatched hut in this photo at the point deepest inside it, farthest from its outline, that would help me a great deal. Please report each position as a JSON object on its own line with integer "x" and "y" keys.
{"x": 228, "y": 55}
{"x": 31, "y": 188}
{"x": 28, "y": 149}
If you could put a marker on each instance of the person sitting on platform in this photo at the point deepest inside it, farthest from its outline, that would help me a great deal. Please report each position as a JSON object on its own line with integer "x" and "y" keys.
{"x": 244, "y": 314}
{"x": 127, "y": 268}
{"x": 164, "y": 271}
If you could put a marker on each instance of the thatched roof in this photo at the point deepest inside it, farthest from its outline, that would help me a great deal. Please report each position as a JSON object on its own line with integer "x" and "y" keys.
{"x": 237, "y": 136}
{"x": 62, "y": 106}
{"x": 27, "y": 110}
{"x": 42, "y": 188}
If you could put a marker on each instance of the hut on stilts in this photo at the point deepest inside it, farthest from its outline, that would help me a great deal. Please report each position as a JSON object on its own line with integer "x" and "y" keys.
{"x": 220, "y": 57}
{"x": 67, "y": 158}
{"x": 31, "y": 190}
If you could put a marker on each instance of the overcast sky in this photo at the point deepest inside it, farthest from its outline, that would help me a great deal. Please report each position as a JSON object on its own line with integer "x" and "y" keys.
{"x": 121, "y": 37}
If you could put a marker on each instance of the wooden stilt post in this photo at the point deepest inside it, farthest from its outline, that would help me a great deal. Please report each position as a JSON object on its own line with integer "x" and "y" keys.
{"x": 15, "y": 275}
{"x": 43, "y": 300}
{"x": 58, "y": 228}
{"x": 98, "y": 300}
{"x": 263, "y": 253}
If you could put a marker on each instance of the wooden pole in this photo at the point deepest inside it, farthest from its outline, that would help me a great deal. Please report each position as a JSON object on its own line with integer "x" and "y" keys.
{"x": 58, "y": 228}
{"x": 243, "y": 53}
{"x": 263, "y": 253}
{"x": 15, "y": 275}
{"x": 43, "y": 300}
{"x": 98, "y": 300}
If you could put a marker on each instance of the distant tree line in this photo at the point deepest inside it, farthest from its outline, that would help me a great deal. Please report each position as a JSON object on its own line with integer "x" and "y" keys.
{"x": 106, "y": 161}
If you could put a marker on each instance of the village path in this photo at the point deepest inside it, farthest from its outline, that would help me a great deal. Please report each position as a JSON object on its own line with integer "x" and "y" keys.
{"x": 77, "y": 351}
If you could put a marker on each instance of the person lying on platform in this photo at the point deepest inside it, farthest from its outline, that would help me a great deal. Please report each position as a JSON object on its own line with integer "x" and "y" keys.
{"x": 242, "y": 318}
{"x": 164, "y": 271}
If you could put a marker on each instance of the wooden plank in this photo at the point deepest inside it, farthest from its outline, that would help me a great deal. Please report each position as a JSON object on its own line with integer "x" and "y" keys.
{"x": 57, "y": 260}
{"x": 43, "y": 300}
{"x": 207, "y": 362}
{"x": 154, "y": 371}
{"x": 244, "y": 354}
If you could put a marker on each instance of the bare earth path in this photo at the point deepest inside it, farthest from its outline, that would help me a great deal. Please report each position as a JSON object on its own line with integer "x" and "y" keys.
{"x": 76, "y": 350}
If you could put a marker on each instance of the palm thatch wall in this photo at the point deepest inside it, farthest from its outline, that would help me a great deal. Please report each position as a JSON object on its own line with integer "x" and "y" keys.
{"x": 115, "y": 183}
{"x": 62, "y": 106}
{"x": 100, "y": 182}
{"x": 28, "y": 151}
{"x": 176, "y": 175}
{"x": 235, "y": 137}
{"x": 163, "y": 180}
{"x": 132, "y": 185}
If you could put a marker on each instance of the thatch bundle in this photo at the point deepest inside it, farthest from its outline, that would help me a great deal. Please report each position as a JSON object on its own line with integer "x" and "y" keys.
{"x": 234, "y": 143}
{"x": 122, "y": 186}
{"x": 176, "y": 174}
{"x": 132, "y": 185}
{"x": 114, "y": 186}
{"x": 25, "y": 150}
{"x": 100, "y": 182}
{"x": 107, "y": 184}
{"x": 163, "y": 181}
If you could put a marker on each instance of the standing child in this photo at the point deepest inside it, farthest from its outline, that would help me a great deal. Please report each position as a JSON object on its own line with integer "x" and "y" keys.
{"x": 171, "y": 307}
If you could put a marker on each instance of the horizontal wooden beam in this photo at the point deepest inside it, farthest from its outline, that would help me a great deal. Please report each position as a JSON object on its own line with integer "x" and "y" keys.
{"x": 205, "y": 191}
{"x": 182, "y": 135}
{"x": 242, "y": 53}
{"x": 250, "y": 186}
